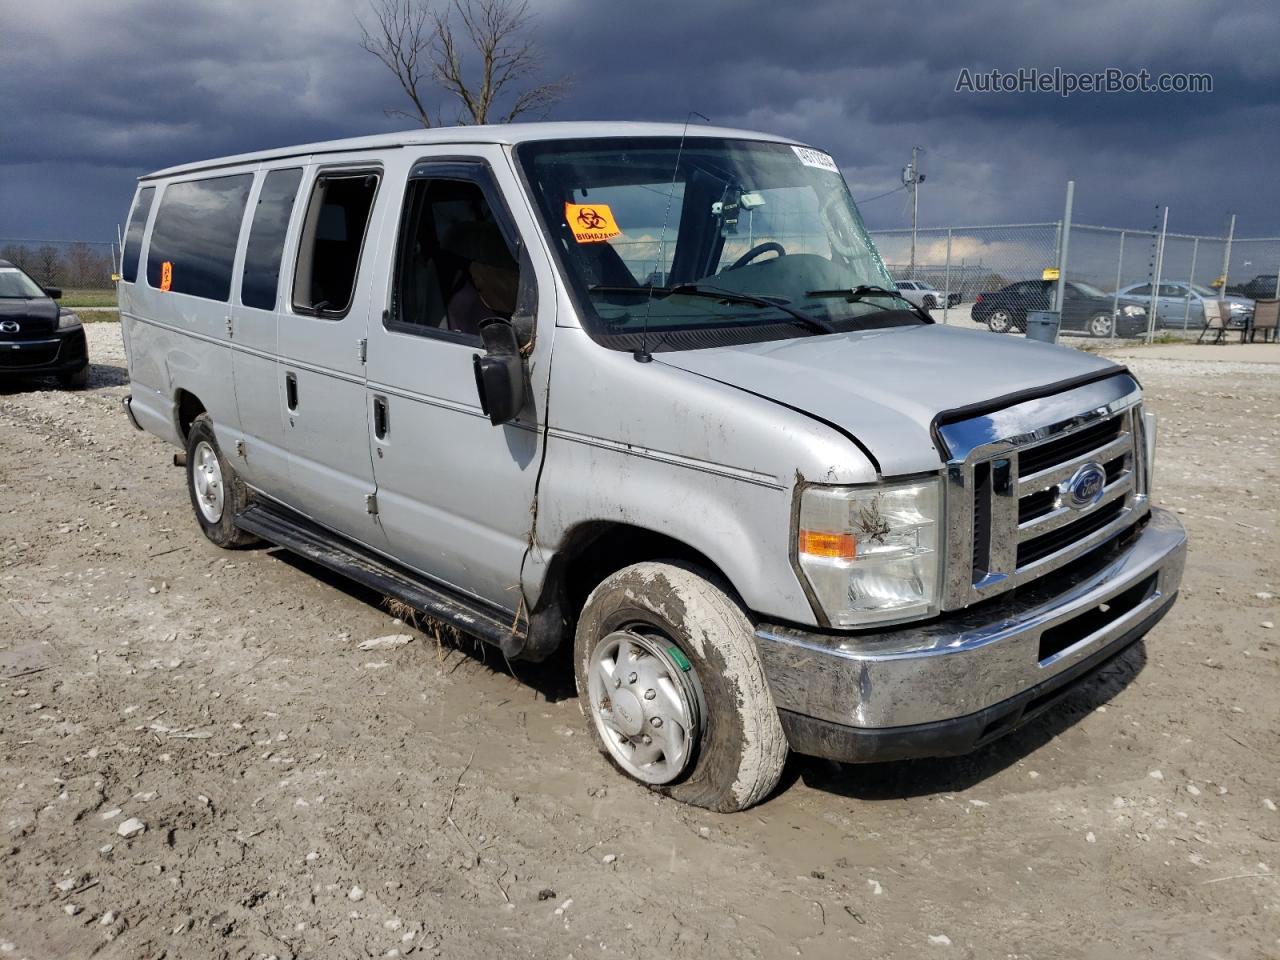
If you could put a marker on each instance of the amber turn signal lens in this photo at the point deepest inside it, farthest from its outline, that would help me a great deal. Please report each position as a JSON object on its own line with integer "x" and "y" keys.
{"x": 836, "y": 546}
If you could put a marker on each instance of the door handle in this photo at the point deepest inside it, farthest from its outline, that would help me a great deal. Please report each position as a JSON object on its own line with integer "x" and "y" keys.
{"x": 291, "y": 391}
{"x": 381, "y": 420}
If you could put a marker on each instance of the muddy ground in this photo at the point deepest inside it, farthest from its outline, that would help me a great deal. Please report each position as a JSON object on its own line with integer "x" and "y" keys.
{"x": 304, "y": 798}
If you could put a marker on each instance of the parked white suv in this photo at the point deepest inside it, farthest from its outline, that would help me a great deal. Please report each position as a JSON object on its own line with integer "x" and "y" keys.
{"x": 654, "y": 397}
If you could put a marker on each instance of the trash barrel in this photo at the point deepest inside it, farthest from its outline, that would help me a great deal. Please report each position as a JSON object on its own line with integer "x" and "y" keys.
{"x": 1043, "y": 325}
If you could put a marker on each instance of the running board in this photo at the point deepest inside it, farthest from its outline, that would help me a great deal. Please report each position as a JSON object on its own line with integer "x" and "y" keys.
{"x": 284, "y": 528}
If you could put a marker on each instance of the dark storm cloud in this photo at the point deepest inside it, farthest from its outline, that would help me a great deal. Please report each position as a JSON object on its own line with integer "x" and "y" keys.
{"x": 98, "y": 94}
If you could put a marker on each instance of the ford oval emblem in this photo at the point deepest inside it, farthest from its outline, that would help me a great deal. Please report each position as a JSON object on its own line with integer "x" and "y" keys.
{"x": 1086, "y": 486}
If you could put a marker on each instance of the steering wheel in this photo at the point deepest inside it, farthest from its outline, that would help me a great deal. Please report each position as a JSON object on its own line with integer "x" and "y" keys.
{"x": 769, "y": 246}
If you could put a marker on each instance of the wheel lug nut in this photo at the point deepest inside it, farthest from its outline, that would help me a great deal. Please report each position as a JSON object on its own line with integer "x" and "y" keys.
{"x": 646, "y": 740}
{"x": 617, "y": 682}
{"x": 633, "y": 678}
{"x": 650, "y": 694}
{"x": 657, "y": 722}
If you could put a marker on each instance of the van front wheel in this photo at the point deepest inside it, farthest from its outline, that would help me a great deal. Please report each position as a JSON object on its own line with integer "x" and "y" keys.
{"x": 669, "y": 678}
{"x": 217, "y": 493}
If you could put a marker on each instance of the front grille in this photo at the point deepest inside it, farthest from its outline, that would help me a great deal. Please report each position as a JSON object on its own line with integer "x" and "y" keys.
{"x": 1074, "y": 444}
{"x": 1029, "y": 551}
{"x": 29, "y": 356}
{"x": 1012, "y": 516}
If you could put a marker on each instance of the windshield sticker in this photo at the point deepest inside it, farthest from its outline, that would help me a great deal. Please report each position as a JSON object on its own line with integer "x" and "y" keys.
{"x": 166, "y": 275}
{"x": 816, "y": 158}
{"x": 591, "y": 222}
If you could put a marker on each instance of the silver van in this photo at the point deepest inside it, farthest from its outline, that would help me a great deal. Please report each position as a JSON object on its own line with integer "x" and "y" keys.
{"x": 649, "y": 392}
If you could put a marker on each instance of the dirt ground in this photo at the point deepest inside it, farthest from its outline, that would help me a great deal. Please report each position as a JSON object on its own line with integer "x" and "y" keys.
{"x": 304, "y": 798}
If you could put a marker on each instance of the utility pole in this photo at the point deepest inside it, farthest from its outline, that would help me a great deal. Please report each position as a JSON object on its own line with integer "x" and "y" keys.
{"x": 1226, "y": 259}
{"x": 1155, "y": 281}
{"x": 912, "y": 178}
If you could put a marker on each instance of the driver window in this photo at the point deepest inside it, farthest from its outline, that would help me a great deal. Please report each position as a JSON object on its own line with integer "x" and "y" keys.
{"x": 453, "y": 266}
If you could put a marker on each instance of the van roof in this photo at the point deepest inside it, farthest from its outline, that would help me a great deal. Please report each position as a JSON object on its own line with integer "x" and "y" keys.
{"x": 505, "y": 133}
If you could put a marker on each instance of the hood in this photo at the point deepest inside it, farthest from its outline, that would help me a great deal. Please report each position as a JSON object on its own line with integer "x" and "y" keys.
{"x": 884, "y": 387}
{"x": 35, "y": 316}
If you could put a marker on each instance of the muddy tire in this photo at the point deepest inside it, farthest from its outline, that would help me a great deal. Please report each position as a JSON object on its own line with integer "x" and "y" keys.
{"x": 736, "y": 748}
{"x": 217, "y": 492}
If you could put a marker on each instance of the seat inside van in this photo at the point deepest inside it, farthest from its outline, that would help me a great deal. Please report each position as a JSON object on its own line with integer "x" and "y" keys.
{"x": 455, "y": 268}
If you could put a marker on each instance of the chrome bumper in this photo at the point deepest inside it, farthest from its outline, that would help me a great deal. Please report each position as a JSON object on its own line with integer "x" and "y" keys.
{"x": 963, "y": 666}
{"x": 127, "y": 403}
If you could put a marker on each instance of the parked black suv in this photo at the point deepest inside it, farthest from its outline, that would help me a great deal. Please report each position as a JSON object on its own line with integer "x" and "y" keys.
{"x": 1259, "y": 288}
{"x": 1085, "y": 309}
{"x": 37, "y": 337}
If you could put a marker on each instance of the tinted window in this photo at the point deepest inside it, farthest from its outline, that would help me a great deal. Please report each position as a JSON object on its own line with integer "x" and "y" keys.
{"x": 266, "y": 239}
{"x": 196, "y": 231}
{"x": 133, "y": 235}
{"x": 453, "y": 266}
{"x": 332, "y": 237}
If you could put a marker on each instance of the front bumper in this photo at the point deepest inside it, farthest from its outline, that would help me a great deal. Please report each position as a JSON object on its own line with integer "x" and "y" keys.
{"x": 59, "y": 352}
{"x": 958, "y": 682}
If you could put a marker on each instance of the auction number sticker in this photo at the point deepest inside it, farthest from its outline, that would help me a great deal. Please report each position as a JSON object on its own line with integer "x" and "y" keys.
{"x": 166, "y": 275}
{"x": 591, "y": 222}
{"x": 816, "y": 158}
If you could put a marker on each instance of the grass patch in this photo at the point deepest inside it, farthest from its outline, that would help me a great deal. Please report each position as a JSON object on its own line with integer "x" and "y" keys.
{"x": 97, "y": 316}
{"x": 89, "y": 298}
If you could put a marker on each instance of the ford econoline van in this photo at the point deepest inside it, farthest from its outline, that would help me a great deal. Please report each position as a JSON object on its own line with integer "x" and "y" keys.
{"x": 650, "y": 393}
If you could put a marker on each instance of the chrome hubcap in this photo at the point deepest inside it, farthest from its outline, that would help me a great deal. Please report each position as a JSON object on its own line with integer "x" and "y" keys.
{"x": 644, "y": 704}
{"x": 1000, "y": 320}
{"x": 206, "y": 475}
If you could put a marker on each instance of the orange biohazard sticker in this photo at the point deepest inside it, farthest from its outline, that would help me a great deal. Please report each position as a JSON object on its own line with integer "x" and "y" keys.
{"x": 166, "y": 275}
{"x": 591, "y": 222}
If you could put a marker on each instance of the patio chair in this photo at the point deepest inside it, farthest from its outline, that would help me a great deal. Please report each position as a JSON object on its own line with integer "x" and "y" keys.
{"x": 1266, "y": 320}
{"x": 1215, "y": 321}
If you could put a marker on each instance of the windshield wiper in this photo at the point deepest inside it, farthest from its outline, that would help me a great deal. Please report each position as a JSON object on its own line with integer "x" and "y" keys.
{"x": 725, "y": 296}
{"x": 864, "y": 290}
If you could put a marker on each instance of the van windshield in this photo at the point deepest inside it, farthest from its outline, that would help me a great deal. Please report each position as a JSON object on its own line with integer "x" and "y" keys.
{"x": 716, "y": 242}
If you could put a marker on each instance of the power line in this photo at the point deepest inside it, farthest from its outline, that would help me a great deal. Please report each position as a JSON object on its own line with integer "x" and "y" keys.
{"x": 881, "y": 196}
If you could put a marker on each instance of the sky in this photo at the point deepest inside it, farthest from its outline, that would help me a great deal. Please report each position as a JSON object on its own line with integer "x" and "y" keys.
{"x": 96, "y": 94}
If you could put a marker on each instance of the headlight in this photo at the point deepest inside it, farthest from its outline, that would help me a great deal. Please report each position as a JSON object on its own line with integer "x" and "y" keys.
{"x": 1133, "y": 311}
{"x": 67, "y": 321}
{"x": 872, "y": 554}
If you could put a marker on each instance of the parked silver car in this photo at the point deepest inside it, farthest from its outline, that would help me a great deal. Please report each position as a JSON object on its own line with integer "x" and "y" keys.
{"x": 925, "y": 296}
{"x": 1179, "y": 302}
{"x": 769, "y": 504}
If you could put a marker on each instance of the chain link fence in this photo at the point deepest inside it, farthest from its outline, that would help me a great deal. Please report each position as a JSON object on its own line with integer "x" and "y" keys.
{"x": 991, "y": 275}
{"x": 73, "y": 265}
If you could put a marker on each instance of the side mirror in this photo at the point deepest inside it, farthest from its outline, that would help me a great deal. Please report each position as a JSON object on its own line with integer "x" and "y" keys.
{"x": 500, "y": 372}
{"x": 53, "y": 293}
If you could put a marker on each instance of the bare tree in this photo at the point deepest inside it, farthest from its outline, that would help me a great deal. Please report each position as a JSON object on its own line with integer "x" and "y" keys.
{"x": 48, "y": 264}
{"x": 419, "y": 43}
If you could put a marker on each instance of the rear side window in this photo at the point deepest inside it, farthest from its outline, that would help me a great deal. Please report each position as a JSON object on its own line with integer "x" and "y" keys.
{"x": 133, "y": 235}
{"x": 332, "y": 239}
{"x": 266, "y": 238}
{"x": 193, "y": 242}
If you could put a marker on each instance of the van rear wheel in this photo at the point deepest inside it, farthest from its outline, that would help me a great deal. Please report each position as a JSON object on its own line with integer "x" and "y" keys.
{"x": 217, "y": 492}
{"x": 674, "y": 691}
